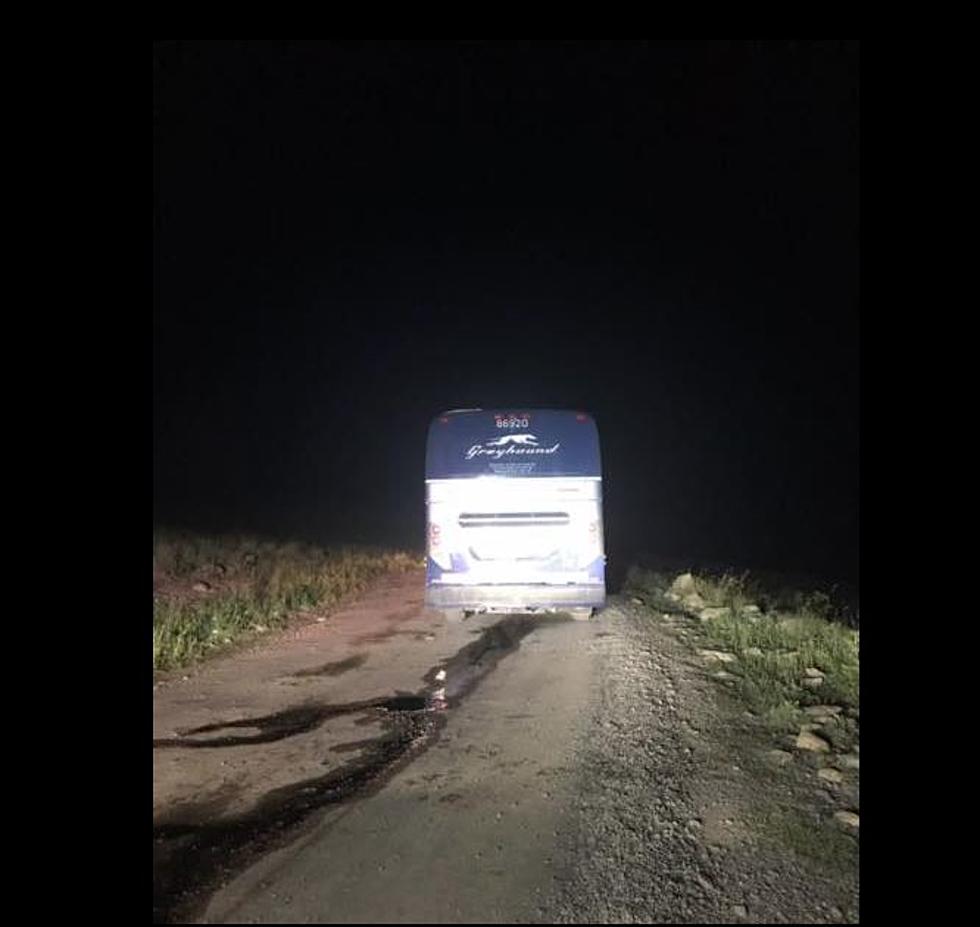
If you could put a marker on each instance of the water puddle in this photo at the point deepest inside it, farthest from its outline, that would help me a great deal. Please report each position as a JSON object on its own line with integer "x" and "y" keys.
{"x": 406, "y": 703}
{"x": 194, "y": 857}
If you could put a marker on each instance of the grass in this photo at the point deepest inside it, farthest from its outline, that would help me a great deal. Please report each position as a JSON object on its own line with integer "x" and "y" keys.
{"x": 651, "y": 586}
{"x": 774, "y": 647}
{"x": 789, "y": 632}
{"x": 255, "y": 586}
{"x": 771, "y": 592}
{"x": 811, "y": 837}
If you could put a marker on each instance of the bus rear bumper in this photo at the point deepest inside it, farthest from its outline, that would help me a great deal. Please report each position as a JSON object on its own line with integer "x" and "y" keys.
{"x": 515, "y": 597}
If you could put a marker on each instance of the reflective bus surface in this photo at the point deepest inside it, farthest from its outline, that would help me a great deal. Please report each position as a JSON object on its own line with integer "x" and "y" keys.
{"x": 514, "y": 512}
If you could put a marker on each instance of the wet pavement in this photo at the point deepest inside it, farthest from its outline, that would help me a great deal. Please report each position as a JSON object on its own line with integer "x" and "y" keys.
{"x": 386, "y": 767}
{"x": 199, "y": 846}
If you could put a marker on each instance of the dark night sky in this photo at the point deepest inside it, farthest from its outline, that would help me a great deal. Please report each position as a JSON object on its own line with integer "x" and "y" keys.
{"x": 351, "y": 237}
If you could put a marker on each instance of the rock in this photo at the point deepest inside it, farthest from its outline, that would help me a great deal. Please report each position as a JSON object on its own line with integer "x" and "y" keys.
{"x": 202, "y": 586}
{"x": 739, "y": 910}
{"x": 811, "y": 672}
{"x": 807, "y": 740}
{"x": 814, "y": 682}
{"x": 823, "y": 711}
{"x": 849, "y": 761}
{"x": 636, "y": 600}
{"x": 849, "y": 819}
{"x": 684, "y": 585}
{"x": 693, "y": 602}
{"x": 719, "y": 656}
{"x": 711, "y": 614}
{"x": 751, "y": 610}
{"x": 753, "y": 652}
{"x": 827, "y": 774}
{"x": 723, "y": 675}
{"x": 779, "y": 757}
{"x": 823, "y": 714}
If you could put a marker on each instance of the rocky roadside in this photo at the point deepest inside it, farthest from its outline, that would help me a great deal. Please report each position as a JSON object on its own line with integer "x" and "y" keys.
{"x": 690, "y": 809}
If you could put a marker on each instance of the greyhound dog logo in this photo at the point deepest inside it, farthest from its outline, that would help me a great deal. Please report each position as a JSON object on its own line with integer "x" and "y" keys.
{"x": 523, "y": 439}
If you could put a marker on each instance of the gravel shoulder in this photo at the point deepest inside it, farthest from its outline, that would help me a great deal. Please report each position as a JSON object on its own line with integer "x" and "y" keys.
{"x": 686, "y": 810}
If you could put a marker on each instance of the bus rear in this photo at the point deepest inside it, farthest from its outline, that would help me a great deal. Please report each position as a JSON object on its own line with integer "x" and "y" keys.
{"x": 514, "y": 513}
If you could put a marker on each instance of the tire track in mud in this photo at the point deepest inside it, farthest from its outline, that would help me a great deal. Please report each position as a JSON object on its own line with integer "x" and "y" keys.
{"x": 193, "y": 854}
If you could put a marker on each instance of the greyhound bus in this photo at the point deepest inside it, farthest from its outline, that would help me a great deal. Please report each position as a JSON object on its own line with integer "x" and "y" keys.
{"x": 514, "y": 513}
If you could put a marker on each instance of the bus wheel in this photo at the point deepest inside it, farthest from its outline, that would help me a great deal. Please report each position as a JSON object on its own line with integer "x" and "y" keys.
{"x": 580, "y": 614}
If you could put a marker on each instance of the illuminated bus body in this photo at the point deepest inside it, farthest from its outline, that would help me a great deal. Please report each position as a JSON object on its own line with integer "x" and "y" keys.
{"x": 514, "y": 513}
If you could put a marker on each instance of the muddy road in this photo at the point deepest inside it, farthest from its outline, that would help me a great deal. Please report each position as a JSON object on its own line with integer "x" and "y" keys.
{"x": 381, "y": 766}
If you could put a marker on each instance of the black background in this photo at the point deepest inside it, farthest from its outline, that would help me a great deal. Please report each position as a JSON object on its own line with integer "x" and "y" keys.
{"x": 351, "y": 237}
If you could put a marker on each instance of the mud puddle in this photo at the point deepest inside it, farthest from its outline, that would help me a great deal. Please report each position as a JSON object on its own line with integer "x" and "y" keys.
{"x": 193, "y": 856}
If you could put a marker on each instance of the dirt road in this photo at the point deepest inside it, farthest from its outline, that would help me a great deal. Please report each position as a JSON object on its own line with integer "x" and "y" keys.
{"x": 384, "y": 767}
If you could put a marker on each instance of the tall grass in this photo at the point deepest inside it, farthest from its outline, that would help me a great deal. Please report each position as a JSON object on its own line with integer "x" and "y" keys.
{"x": 774, "y": 647}
{"x": 775, "y": 651}
{"x": 256, "y": 585}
